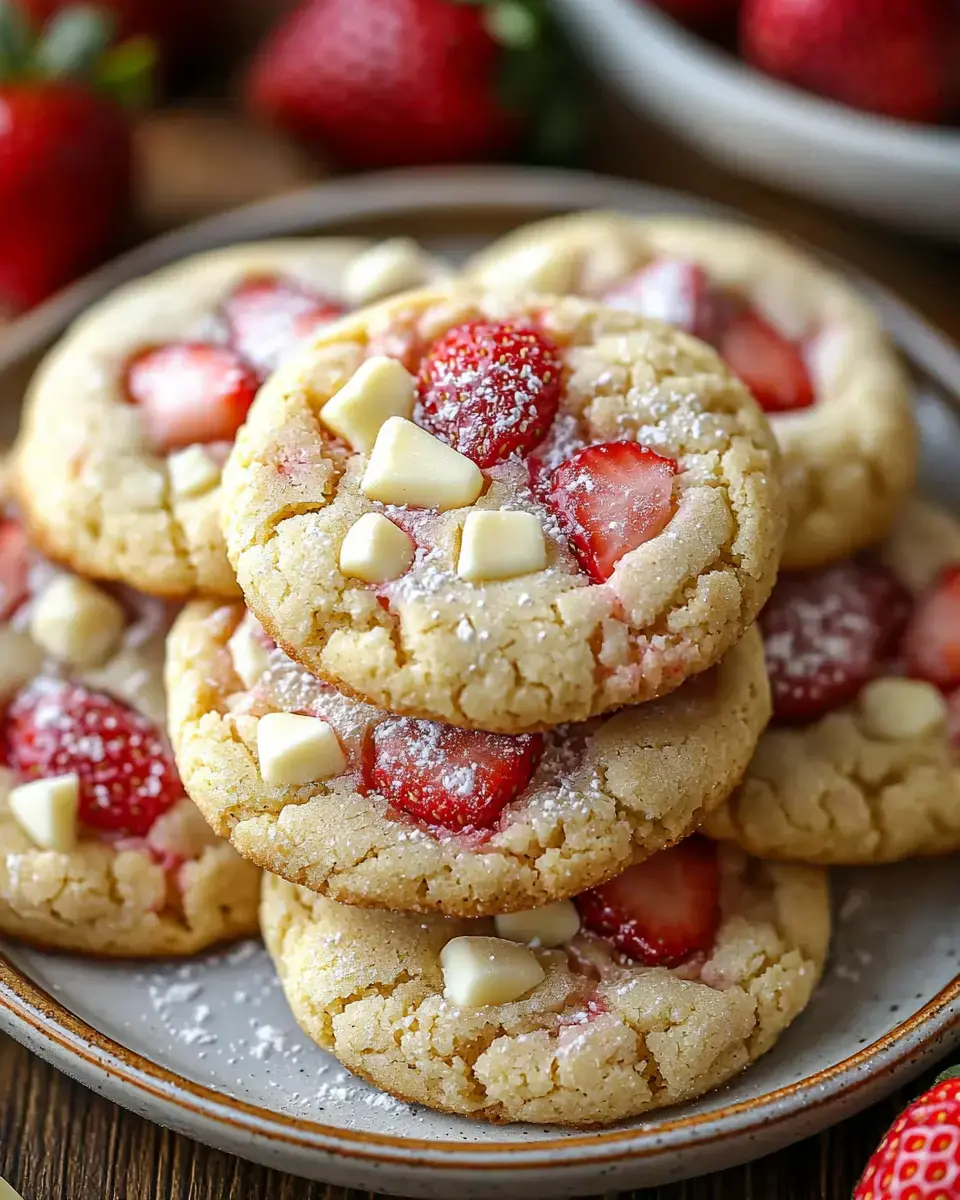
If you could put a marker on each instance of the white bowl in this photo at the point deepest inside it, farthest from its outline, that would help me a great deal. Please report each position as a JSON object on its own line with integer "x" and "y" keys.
{"x": 904, "y": 174}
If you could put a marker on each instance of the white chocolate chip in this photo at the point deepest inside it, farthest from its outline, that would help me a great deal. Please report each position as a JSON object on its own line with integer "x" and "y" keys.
{"x": 487, "y": 970}
{"x": 75, "y": 622}
{"x": 410, "y": 466}
{"x": 375, "y": 550}
{"x": 250, "y": 656}
{"x": 901, "y": 709}
{"x": 539, "y": 267}
{"x": 294, "y": 749}
{"x": 553, "y": 925}
{"x": 501, "y": 545}
{"x": 46, "y": 811}
{"x": 391, "y": 266}
{"x": 192, "y": 472}
{"x": 380, "y": 388}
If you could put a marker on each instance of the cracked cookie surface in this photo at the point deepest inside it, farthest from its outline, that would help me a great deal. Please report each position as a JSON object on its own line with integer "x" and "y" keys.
{"x": 603, "y": 795}
{"x": 858, "y": 786}
{"x": 98, "y": 491}
{"x": 849, "y": 458}
{"x": 175, "y": 889}
{"x": 551, "y": 645}
{"x": 582, "y": 1047}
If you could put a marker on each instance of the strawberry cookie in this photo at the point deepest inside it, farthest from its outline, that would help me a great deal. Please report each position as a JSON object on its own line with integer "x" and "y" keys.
{"x": 647, "y": 991}
{"x": 395, "y": 812}
{"x": 862, "y": 764}
{"x": 129, "y": 419}
{"x": 504, "y": 514}
{"x": 100, "y": 850}
{"x": 808, "y": 347}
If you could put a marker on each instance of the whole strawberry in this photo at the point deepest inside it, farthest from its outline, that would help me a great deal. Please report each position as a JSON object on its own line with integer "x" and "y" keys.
{"x": 919, "y": 1158}
{"x": 65, "y": 149}
{"x": 397, "y": 82}
{"x": 885, "y": 56}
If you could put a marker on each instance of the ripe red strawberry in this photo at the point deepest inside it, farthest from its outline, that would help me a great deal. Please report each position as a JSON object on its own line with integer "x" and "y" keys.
{"x": 931, "y": 644}
{"x": 127, "y": 773}
{"x": 65, "y": 151}
{"x": 671, "y": 290}
{"x": 886, "y": 56}
{"x": 662, "y": 911}
{"x": 190, "y": 392}
{"x": 769, "y": 364}
{"x": 490, "y": 389}
{"x": 267, "y": 317}
{"x": 14, "y": 567}
{"x": 453, "y": 778}
{"x": 826, "y": 633}
{"x": 919, "y": 1157}
{"x": 399, "y": 82}
{"x": 611, "y": 498}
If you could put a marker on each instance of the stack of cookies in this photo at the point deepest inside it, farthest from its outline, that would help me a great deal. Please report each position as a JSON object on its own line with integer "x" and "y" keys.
{"x": 490, "y": 704}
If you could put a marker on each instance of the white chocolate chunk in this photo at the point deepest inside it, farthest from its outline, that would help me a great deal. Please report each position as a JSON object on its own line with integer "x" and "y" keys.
{"x": 375, "y": 550}
{"x": 7, "y": 1192}
{"x": 75, "y": 622}
{"x": 410, "y": 466}
{"x": 501, "y": 545}
{"x": 20, "y": 659}
{"x": 487, "y": 970}
{"x": 391, "y": 266}
{"x": 553, "y": 925}
{"x": 192, "y": 473}
{"x": 46, "y": 811}
{"x": 901, "y": 709}
{"x": 250, "y": 656}
{"x": 380, "y": 388}
{"x": 294, "y": 749}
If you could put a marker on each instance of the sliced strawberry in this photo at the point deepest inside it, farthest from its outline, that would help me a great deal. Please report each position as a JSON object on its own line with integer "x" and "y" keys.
{"x": 127, "y": 773}
{"x": 490, "y": 389}
{"x": 268, "y": 316}
{"x": 191, "y": 392}
{"x": 14, "y": 567}
{"x": 453, "y": 778}
{"x": 769, "y": 364}
{"x": 826, "y": 633}
{"x": 612, "y": 498}
{"x": 671, "y": 290}
{"x": 931, "y": 644}
{"x": 662, "y": 911}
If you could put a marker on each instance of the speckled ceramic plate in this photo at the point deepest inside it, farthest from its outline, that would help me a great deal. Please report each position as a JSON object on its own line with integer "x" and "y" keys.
{"x": 210, "y": 1048}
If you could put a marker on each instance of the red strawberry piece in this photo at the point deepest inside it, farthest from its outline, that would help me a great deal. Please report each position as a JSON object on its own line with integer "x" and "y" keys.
{"x": 490, "y": 389}
{"x": 127, "y": 774}
{"x": 14, "y": 567}
{"x": 610, "y": 499}
{"x": 447, "y": 777}
{"x": 268, "y": 316}
{"x": 826, "y": 633}
{"x": 931, "y": 644}
{"x": 769, "y": 364}
{"x": 671, "y": 290}
{"x": 191, "y": 392}
{"x": 662, "y": 911}
{"x": 885, "y": 56}
{"x": 919, "y": 1157}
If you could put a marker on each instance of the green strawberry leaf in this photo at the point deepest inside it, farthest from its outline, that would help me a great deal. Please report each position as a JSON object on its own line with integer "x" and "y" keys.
{"x": 72, "y": 43}
{"x": 126, "y": 72}
{"x": 948, "y": 1074}
{"x": 512, "y": 24}
{"x": 16, "y": 40}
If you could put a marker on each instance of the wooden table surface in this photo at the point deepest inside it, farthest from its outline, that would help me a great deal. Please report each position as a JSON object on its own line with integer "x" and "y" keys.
{"x": 60, "y": 1142}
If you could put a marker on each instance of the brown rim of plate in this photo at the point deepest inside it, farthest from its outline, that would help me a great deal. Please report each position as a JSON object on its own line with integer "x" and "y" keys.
{"x": 30, "y": 1005}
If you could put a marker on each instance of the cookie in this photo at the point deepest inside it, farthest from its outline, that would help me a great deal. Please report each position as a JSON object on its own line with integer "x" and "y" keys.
{"x": 569, "y": 510}
{"x": 129, "y": 419}
{"x": 863, "y": 764}
{"x": 594, "y": 1029}
{"x": 415, "y": 816}
{"x": 813, "y": 352}
{"x": 100, "y": 850}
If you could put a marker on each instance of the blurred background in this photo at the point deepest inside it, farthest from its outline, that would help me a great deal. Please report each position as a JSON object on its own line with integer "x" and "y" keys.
{"x": 836, "y": 119}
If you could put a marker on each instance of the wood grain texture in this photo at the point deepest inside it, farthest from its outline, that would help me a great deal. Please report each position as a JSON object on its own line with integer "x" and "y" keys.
{"x": 60, "y": 1142}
